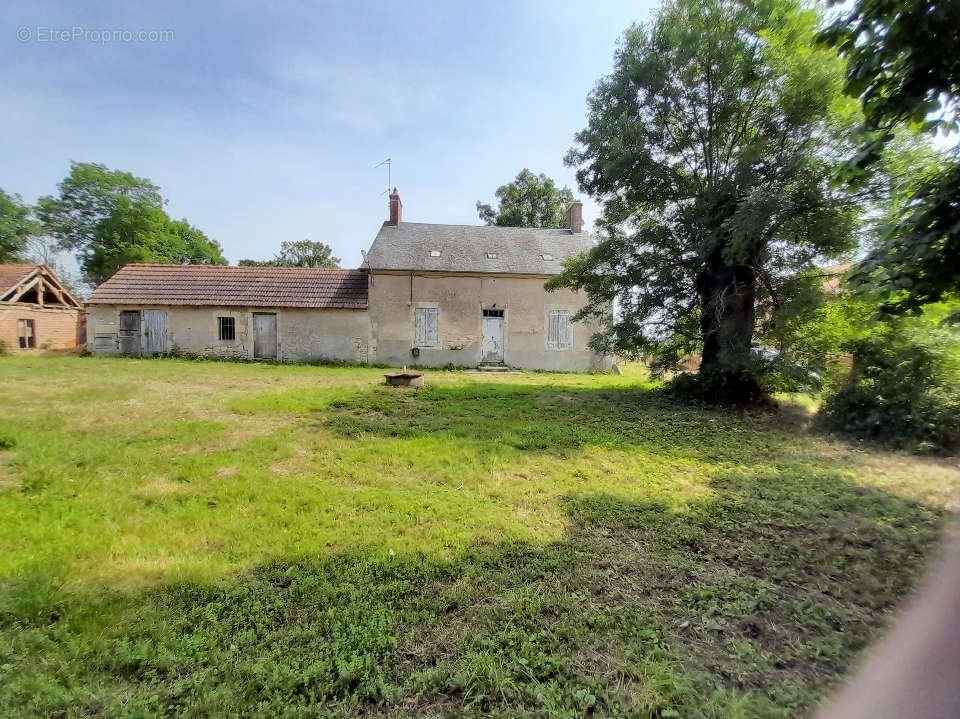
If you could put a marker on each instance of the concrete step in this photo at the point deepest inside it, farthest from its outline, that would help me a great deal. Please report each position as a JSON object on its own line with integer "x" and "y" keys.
{"x": 493, "y": 368}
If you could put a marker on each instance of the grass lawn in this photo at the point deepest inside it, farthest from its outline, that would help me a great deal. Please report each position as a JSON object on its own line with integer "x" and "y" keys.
{"x": 210, "y": 539}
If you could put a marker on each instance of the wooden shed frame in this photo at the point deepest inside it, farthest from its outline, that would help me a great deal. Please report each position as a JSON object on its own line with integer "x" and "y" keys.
{"x": 49, "y": 291}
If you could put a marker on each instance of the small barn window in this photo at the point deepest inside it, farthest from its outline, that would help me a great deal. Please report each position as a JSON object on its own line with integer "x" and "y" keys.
{"x": 493, "y": 313}
{"x": 559, "y": 331}
{"x": 425, "y": 327}
{"x": 434, "y": 253}
{"x": 27, "y": 334}
{"x": 227, "y": 327}
{"x": 492, "y": 255}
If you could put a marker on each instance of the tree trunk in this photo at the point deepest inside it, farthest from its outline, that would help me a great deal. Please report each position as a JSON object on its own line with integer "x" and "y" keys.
{"x": 728, "y": 317}
{"x": 727, "y": 294}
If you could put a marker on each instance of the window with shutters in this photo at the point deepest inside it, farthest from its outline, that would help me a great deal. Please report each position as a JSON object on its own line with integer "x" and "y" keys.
{"x": 26, "y": 334}
{"x": 227, "y": 328}
{"x": 559, "y": 330}
{"x": 425, "y": 327}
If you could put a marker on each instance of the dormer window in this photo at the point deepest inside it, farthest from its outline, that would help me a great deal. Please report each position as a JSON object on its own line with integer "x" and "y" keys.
{"x": 492, "y": 255}
{"x": 546, "y": 258}
{"x": 434, "y": 253}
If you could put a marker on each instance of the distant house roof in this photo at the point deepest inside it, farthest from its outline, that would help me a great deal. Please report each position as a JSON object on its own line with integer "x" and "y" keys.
{"x": 222, "y": 286}
{"x": 33, "y": 284}
{"x": 471, "y": 248}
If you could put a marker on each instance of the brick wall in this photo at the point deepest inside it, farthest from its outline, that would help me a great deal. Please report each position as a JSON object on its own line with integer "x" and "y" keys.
{"x": 54, "y": 328}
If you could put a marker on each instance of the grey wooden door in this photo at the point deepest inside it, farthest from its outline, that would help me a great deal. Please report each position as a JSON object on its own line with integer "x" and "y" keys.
{"x": 264, "y": 335}
{"x": 130, "y": 332}
{"x": 491, "y": 348}
{"x": 155, "y": 329}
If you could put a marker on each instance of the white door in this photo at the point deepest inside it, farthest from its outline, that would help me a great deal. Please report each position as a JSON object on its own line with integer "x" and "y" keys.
{"x": 491, "y": 348}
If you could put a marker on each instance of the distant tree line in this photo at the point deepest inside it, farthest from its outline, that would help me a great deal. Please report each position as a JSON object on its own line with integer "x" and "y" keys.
{"x": 301, "y": 253}
{"x": 110, "y": 218}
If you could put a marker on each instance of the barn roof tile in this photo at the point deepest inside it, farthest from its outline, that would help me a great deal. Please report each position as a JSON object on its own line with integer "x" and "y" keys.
{"x": 223, "y": 286}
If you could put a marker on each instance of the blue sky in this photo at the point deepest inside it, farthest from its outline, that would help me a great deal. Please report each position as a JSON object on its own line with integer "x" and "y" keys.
{"x": 262, "y": 122}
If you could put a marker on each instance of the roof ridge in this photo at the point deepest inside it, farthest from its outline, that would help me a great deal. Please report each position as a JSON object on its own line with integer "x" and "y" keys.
{"x": 500, "y": 228}
{"x": 174, "y": 265}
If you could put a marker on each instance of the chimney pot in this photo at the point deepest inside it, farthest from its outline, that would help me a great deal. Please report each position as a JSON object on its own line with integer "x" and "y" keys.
{"x": 396, "y": 207}
{"x": 575, "y": 217}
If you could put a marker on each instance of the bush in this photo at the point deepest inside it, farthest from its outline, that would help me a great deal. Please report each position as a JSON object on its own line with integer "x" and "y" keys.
{"x": 899, "y": 391}
{"x": 715, "y": 386}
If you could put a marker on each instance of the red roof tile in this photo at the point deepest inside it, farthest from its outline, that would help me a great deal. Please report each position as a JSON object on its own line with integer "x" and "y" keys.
{"x": 222, "y": 286}
{"x": 12, "y": 275}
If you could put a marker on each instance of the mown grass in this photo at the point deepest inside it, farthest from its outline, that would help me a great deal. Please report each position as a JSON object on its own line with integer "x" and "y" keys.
{"x": 213, "y": 539}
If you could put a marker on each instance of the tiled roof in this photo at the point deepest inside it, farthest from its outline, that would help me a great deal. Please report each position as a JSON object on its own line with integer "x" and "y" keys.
{"x": 473, "y": 248}
{"x": 222, "y": 286}
{"x": 12, "y": 275}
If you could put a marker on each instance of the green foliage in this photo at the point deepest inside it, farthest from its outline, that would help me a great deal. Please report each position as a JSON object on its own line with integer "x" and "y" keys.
{"x": 87, "y": 197}
{"x": 903, "y": 389}
{"x": 302, "y": 253}
{"x": 113, "y": 218}
{"x": 529, "y": 200}
{"x": 917, "y": 259}
{"x": 710, "y": 147}
{"x": 17, "y": 227}
{"x": 904, "y": 66}
{"x": 809, "y": 334}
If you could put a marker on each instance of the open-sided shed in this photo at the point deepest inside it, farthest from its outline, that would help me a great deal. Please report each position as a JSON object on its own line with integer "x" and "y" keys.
{"x": 36, "y": 310}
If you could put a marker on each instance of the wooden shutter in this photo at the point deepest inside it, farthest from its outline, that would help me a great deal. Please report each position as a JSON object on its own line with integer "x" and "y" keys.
{"x": 559, "y": 331}
{"x": 566, "y": 330}
{"x": 425, "y": 327}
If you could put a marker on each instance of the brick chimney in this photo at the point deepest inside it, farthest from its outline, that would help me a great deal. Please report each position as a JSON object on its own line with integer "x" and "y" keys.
{"x": 396, "y": 207}
{"x": 574, "y": 216}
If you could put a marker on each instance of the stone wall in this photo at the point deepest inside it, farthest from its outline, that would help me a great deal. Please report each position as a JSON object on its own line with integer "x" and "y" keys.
{"x": 460, "y": 301}
{"x": 303, "y": 335}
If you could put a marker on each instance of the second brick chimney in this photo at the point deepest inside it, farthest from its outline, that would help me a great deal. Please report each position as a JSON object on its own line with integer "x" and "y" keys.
{"x": 574, "y": 216}
{"x": 396, "y": 207}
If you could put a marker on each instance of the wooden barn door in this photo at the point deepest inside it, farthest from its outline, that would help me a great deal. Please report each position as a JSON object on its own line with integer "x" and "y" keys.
{"x": 155, "y": 329}
{"x": 130, "y": 332}
{"x": 264, "y": 335}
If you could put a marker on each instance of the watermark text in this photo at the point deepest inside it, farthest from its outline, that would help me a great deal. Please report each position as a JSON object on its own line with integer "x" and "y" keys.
{"x": 97, "y": 36}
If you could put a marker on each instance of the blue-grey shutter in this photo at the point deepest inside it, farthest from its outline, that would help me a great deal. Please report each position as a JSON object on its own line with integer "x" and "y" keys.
{"x": 425, "y": 327}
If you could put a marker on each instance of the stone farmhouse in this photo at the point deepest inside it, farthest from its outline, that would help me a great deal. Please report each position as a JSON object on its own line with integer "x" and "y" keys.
{"x": 36, "y": 311}
{"x": 427, "y": 294}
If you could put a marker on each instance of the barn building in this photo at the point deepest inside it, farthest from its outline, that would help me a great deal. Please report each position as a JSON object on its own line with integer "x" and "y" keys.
{"x": 427, "y": 294}
{"x": 291, "y": 314}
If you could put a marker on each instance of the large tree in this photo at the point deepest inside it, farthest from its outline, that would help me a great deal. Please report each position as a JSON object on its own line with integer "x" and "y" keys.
{"x": 112, "y": 218}
{"x": 710, "y": 148}
{"x": 528, "y": 200}
{"x": 904, "y": 67}
{"x": 301, "y": 253}
{"x": 17, "y": 227}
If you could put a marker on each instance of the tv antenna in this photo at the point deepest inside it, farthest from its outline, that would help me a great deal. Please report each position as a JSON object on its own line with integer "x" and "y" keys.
{"x": 389, "y": 183}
